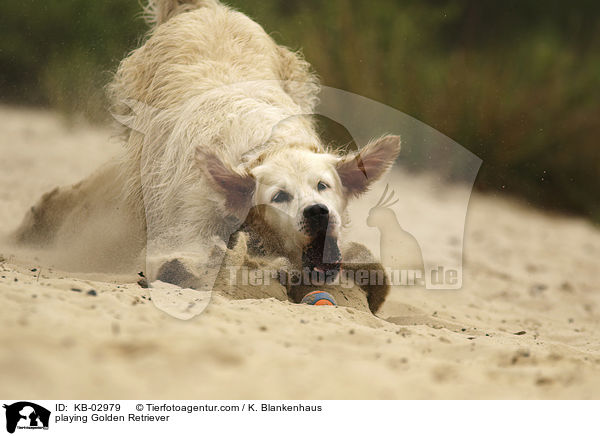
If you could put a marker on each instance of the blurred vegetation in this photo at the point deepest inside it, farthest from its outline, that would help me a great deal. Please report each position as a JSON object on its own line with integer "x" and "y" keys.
{"x": 517, "y": 82}
{"x": 61, "y": 53}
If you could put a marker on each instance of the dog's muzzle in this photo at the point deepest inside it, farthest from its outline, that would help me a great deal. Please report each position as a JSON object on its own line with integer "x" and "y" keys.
{"x": 316, "y": 218}
{"x": 322, "y": 254}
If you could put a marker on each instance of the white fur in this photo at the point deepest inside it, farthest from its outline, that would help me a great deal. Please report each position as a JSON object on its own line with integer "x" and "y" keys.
{"x": 209, "y": 80}
{"x": 213, "y": 79}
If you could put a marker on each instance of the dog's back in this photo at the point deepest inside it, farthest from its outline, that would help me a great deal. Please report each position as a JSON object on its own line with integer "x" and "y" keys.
{"x": 205, "y": 58}
{"x": 204, "y": 44}
{"x": 194, "y": 46}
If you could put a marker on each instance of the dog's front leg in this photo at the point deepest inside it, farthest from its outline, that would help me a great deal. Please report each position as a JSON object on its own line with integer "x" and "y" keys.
{"x": 194, "y": 269}
{"x": 181, "y": 282}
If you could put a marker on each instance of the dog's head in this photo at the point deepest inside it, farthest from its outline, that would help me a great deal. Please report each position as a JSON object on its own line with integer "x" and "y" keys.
{"x": 302, "y": 195}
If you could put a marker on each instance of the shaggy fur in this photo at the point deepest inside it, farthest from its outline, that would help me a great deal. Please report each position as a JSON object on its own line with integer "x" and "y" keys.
{"x": 212, "y": 77}
{"x": 213, "y": 123}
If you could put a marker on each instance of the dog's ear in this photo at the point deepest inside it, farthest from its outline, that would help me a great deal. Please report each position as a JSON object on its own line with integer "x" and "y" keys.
{"x": 359, "y": 170}
{"x": 236, "y": 186}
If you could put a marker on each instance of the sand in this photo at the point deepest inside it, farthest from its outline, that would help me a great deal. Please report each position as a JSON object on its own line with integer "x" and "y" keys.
{"x": 524, "y": 325}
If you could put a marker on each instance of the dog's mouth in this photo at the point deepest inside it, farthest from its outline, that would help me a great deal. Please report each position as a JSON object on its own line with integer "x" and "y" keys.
{"x": 322, "y": 257}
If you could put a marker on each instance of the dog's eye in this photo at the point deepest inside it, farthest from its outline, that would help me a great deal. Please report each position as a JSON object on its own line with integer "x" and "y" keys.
{"x": 281, "y": 197}
{"x": 321, "y": 186}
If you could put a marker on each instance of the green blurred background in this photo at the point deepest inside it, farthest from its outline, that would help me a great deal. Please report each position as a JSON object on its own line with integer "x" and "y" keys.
{"x": 517, "y": 82}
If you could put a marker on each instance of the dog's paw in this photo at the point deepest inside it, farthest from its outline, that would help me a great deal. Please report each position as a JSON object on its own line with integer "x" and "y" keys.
{"x": 175, "y": 272}
{"x": 188, "y": 271}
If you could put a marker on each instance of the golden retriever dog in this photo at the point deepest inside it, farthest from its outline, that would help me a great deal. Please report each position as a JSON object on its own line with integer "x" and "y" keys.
{"x": 216, "y": 139}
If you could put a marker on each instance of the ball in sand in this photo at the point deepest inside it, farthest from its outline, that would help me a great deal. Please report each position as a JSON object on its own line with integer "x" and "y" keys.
{"x": 319, "y": 298}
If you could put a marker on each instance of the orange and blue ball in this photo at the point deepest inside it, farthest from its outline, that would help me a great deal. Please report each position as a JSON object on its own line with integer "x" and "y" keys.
{"x": 319, "y": 298}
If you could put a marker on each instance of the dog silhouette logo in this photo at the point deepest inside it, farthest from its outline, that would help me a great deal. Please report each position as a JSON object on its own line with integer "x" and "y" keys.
{"x": 26, "y": 415}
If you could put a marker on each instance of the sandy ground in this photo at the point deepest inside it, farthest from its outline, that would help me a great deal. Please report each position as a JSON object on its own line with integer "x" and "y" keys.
{"x": 525, "y": 271}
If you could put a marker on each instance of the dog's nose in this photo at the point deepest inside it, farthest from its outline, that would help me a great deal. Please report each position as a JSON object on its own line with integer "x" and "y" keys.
{"x": 316, "y": 212}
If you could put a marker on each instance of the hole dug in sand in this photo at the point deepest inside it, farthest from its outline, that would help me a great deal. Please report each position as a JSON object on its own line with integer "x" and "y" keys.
{"x": 246, "y": 274}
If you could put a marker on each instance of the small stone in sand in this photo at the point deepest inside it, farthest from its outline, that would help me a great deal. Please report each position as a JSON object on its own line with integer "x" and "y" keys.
{"x": 92, "y": 292}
